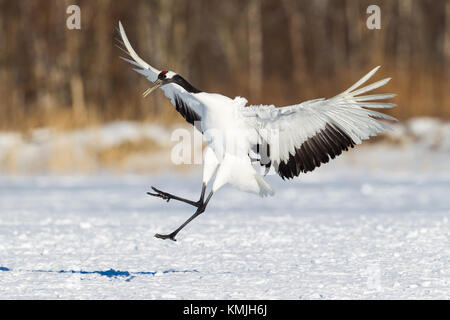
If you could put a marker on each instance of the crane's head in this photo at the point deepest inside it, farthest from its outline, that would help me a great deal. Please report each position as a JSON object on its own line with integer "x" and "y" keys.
{"x": 164, "y": 77}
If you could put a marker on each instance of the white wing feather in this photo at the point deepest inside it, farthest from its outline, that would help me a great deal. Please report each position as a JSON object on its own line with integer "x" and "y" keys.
{"x": 172, "y": 90}
{"x": 297, "y": 123}
{"x": 149, "y": 72}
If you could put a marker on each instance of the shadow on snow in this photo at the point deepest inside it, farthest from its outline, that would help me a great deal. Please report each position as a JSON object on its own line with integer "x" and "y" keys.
{"x": 111, "y": 273}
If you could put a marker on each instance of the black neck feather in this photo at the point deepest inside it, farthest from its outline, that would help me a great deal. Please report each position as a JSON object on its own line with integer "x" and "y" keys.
{"x": 183, "y": 83}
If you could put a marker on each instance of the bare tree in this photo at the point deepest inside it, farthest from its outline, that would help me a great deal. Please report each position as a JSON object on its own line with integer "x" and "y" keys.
{"x": 255, "y": 48}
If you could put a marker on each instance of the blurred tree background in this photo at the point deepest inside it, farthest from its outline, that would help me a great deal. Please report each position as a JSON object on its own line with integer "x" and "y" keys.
{"x": 270, "y": 51}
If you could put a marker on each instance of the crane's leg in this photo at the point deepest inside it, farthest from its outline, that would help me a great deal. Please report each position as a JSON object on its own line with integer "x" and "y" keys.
{"x": 167, "y": 196}
{"x": 199, "y": 211}
{"x": 210, "y": 164}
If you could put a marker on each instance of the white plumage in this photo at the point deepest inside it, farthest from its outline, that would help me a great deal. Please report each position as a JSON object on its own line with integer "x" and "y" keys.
{"x": 298, "y": 123}
{"x": 291, "y": 139}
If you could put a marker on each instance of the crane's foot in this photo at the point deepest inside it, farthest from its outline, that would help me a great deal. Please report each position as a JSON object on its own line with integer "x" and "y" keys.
{"x": 172, "y": 235}
{"x": 201, "y": 206}
{"x": 166, "y": 236}
{"x": 161, "y": 194}
{"x": 167, "y": 196}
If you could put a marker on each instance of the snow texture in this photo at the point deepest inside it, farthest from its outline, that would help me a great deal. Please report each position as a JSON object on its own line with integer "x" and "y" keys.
{"x": 337, "y": 233}
{"x": 372, "y": 224}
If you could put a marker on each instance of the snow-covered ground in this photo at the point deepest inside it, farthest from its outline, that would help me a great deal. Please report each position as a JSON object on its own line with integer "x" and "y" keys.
{"x": 372, "y": 224}
{"x": 333, "y": 234}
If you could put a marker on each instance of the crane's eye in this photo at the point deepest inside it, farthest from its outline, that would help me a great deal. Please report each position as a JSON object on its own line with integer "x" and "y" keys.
{"x": 162, "y": 75}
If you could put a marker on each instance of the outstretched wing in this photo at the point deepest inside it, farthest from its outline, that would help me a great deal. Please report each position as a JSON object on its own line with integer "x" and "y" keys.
{"x": 187, "y": 105}
{"x": 301, "y": 137}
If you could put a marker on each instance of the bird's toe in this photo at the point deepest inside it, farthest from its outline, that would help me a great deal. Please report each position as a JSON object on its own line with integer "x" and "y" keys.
{"x": 165, "y": 236}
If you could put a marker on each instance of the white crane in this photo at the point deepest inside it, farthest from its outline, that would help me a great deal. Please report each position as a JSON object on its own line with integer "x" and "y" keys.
{"x": 291, "y": 140}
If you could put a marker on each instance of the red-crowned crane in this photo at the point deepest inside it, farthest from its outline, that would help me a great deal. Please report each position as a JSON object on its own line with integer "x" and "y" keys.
{"x": 292, "y": 139}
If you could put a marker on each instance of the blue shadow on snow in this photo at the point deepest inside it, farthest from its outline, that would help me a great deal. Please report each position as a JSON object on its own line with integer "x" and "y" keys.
{"x": 111, "y": 273}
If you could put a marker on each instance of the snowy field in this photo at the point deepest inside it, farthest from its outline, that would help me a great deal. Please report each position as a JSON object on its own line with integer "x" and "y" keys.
{"x": 330, "y": 235}
{"x": 373, "y": 224}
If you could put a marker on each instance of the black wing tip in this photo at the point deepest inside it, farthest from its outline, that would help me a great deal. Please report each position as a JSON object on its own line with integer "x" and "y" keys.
{"x": 315, "y": 151}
